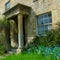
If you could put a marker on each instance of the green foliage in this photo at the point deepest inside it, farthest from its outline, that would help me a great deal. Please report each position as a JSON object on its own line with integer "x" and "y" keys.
{"x": 2, "y": 49}
{"x": 3, "y": 25}
{"x": 4, "y": 20}
{"x": 2, "y": 45}
{"x": 51, "y": 39}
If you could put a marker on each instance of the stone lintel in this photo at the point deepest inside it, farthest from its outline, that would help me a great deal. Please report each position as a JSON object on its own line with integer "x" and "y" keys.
{"x": 18, "y": 8}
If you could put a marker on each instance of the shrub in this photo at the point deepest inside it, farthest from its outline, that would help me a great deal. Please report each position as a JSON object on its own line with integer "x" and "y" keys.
{"x": 47, "y": 44}
{"x": 3, "y": 26}
{"x": 2, "y": 49}
{"x": 51, "y": 39}
{"x": 2, "y": 42}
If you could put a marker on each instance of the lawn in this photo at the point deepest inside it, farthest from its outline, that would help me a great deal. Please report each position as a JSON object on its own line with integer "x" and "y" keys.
{"x": 31, "y": 57}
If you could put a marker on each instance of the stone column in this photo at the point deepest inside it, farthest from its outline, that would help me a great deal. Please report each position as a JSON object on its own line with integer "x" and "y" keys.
{"x": 20, "y": 33}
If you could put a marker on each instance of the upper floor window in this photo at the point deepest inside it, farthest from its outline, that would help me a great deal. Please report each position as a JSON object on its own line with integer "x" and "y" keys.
{"x": 35, "y": 0}
{"x": 7, "y": 5}
{"x": 44, "y": 23}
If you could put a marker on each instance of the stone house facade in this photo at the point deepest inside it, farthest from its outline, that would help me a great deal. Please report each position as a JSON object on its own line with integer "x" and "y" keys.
{"x": 30, "y": 18}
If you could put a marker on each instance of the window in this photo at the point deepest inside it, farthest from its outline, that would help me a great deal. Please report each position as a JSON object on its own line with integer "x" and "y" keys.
{"x": 35, "y": 0}
{"x": 7, "y": 5}
{"x": 44, "y": 23}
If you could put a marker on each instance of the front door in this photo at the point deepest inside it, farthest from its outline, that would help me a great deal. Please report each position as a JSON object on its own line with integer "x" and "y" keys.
{"x": 14, "y": 32}
{"x": 25, "y": 28}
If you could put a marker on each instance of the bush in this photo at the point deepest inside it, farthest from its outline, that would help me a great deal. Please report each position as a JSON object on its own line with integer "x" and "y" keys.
{"x": 2, "y": 49}
{"x": 3, "y": 41}
{"x": 51, "y": 39}
{"x": 48, "y": 44}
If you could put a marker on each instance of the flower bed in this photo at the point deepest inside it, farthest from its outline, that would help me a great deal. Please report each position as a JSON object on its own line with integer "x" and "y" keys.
{"x": 45, "y": 50}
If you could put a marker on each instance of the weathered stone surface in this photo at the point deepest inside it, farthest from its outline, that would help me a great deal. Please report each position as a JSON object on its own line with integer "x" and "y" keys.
{"x": 19, "y": 50}
{"x": 37, "y": 8}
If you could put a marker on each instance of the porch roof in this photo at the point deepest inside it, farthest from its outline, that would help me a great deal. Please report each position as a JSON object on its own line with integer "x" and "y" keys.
{"x": 18, "y": 8}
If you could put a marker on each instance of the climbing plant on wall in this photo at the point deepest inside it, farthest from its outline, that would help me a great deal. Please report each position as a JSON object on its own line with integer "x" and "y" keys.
{"x": 4, "y": 23}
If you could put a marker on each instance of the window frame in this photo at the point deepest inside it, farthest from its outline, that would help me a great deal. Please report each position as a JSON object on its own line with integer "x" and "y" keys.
{"x": 6, "y": 5}
{"x": 47, "y": 24}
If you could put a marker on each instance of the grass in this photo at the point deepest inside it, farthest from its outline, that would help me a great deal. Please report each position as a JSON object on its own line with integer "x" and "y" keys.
{"x": 42, "y": 53}
{"x": 30, "y": 57}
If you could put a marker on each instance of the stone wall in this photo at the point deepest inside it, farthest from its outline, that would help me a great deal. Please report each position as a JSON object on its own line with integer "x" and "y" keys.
{"x": 38, "y": 7}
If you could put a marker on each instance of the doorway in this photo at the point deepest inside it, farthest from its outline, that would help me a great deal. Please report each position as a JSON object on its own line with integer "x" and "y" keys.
{"x": 14, "y": 32}
{"x": 25, "y": 28}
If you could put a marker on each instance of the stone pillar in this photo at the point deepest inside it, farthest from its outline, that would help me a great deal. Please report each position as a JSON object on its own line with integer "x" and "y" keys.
{"x": 20, "y": 33}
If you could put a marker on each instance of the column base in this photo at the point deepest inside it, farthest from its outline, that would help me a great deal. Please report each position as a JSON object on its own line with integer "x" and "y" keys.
{"x": 19, "y": 50}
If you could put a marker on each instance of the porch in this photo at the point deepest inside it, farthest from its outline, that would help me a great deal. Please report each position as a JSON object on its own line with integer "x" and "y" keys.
{"x": 18, "y": 15}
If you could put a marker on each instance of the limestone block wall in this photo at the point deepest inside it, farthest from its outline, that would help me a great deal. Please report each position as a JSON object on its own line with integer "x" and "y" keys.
{"x": 31, "y": 26}
{"x": 38, "y": 7}
{"x": 41, "y": 7}
{"x": 2, "y": 7}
